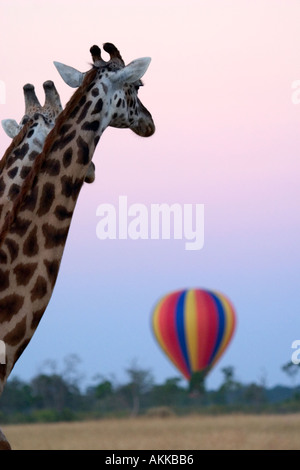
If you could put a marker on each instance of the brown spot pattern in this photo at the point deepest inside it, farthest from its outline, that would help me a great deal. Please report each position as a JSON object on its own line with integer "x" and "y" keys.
{"x": 71, "y": 188}
{"x": 24, "y": 273}
{"x": 31, "y": 247}
{"x": 13, "y": 249}
{"x": 59, "y": 144}
{"x": 17, "y": 334}
{"x": 13, "y": 191}
{"x": 51, "y": 166}
{"x": 52, "y": 270}
{"x": 36, "y": 317}
{"x": 4, "y": 279}
{"x": 3, "y": 257}
{"x": 62, "y": 213}
{"x": 10, "y": 306}
{"x": 84, "y": 112}
{"x": 47, "y": 198}
{"x": 20, "y": 350}
{"x": 39, "y": 290}
{"x": 67, "y": 157}
{"x": 20, "y": 226}
{"x": 25, "y": 171}
{"x": 83, "y": 151}
{"x": 54, "y": 236}
{"x": 30, "y": 200}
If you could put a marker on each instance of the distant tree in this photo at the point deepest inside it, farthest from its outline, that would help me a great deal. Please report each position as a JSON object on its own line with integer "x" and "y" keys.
{"x": 71, "y": 373}
{"x": 229, "y": 387}
{"x": 170, "y": 393}
{"x": 140, "y": 382}
{"x": 254, "y": 394}
{"x": 291, "y": 370}
{"x": 17, "y": 396}
{"x": 50, "y": 392}
{"x": 59, "y": 388}
{"x": 197, "y": 384}
{"x": 102, "y": 397}
{"x": 103, "y": 390}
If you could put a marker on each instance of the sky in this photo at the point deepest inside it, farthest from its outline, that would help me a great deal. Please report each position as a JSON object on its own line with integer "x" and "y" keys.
{"x": 219, "y": 88}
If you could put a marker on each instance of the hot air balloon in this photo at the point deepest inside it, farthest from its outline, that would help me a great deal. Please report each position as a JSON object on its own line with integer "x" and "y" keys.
{"x": 194, "y": 327}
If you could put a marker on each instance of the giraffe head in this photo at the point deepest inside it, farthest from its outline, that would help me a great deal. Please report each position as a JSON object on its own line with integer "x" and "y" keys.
{"x": 114, "y": 88}
{"x": 39, "y": 119}
{"x": 43, "y": 116}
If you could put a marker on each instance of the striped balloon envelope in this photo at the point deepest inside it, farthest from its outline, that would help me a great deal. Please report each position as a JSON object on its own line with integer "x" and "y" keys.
{"x": 194, "y": 327}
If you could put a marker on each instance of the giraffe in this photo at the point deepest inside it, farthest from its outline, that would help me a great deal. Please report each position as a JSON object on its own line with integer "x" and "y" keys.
{"x": 28, "y": 141}
{"x": 50, "y": 110}
{"x": 29, "y": 137}
{"x": 33, "y": 237}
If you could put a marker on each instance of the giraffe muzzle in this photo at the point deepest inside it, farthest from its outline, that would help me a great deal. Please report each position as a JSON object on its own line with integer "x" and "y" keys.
{"x": 144, "y": 129}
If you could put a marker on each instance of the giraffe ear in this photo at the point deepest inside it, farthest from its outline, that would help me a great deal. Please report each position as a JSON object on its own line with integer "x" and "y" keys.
{"x": 71, "y": 76}
{"x": 10, "y": 127}
{"x": 132, "y": 72}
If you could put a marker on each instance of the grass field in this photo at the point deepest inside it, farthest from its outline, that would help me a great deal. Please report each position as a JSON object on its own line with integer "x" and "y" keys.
{"x": 269, "y": 432}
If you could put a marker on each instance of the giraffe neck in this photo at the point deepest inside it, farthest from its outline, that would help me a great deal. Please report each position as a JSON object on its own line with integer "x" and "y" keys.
{"x": 33, "y": 240}
{"x": 18, "y": 160}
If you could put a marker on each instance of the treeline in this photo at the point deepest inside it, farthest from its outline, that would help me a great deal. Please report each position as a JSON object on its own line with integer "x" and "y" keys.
{"x": 56, "y": 396}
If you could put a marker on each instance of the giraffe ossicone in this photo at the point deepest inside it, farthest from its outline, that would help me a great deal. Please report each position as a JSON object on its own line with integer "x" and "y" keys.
{"x": 33, "y": 237}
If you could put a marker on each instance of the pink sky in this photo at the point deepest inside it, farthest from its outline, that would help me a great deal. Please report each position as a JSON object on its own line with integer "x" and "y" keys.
{"x": 228, "y": 136}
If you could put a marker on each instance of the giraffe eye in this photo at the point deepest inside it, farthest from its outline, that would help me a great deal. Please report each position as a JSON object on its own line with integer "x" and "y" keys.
{"x": 24, "y": 120}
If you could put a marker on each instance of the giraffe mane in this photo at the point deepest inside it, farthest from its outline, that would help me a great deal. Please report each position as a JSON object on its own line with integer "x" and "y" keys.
{"x": 15, "y": 142}
{"x": 64, "y": 115}
{"x": 36, "y": 167}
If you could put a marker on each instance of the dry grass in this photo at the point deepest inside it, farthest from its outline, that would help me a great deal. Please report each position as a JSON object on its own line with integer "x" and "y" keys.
{"x": 174, "y": 433}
